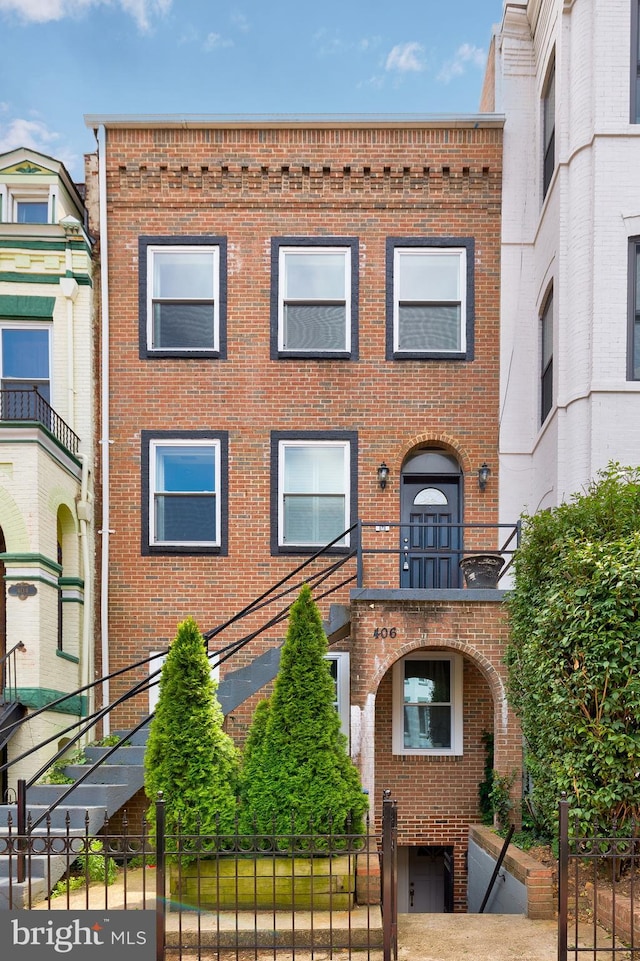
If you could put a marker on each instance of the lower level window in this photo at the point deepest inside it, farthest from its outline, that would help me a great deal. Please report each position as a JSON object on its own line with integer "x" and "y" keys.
{"x": 184, "y": 504}
{"x": 427, "y": 705}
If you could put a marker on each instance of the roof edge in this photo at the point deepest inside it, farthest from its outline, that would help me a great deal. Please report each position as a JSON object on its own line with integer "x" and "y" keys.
{"x": 248, "y": 121}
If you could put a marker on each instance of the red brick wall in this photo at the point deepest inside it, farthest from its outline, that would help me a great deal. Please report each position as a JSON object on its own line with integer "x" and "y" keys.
{"x": 437, "y": 795}
{"x": 251, "y": 185}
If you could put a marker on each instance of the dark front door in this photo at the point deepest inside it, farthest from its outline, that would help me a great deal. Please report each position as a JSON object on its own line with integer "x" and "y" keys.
{"x": 430, "y": 535}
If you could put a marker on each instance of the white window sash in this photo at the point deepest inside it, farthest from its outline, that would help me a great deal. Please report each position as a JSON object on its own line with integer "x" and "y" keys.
{"x": 154, "y": 490}
{"x": 214, "y": 250}
{"x": 345, "y": 491}
{"x": 461, "y": 253}
{"x": 456, "y": 667}
{"x": 282, "y": 286}
{"x": 341, "y": 659}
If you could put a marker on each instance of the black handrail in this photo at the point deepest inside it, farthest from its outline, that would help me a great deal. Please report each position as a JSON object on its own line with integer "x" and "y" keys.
{"x": 8, "y": 674}
{"x": 380, "y": 526}
{"x": 496, "y": 869}
{"x": 82, "y": 726}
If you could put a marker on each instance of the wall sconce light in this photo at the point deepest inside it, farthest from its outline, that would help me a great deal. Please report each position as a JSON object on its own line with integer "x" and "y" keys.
{"x": 383, "y": 475}
{"x": 483, "y": 475}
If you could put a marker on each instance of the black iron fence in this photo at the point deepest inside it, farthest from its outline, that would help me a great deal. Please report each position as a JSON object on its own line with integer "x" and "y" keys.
{"x": 17, "y": 404}
{"x": 598, "y": 890}
{"x": 231, "y": 895}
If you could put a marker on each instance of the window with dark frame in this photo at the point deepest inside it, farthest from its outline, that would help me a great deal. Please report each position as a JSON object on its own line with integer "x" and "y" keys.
{"x": 182, "y": 296}
{"x": 634, "y": 310}
{"x": 546, "y": 355}
{"x": 549, "y": 127}
{"x": 314, "y": 494}
{"x": 184, "y": 492}
{"x": 430, "y": 298}
{"x": 635, "y": 62}
{"x": 314, "y": 298}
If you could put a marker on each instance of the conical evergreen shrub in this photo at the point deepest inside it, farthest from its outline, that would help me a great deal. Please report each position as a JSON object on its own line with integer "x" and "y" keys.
{"x": 297, "y": 773}
{"x": 189, "y": 757}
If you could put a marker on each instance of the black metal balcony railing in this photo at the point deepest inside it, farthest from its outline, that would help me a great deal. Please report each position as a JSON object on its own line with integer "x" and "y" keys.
{"x": 30, "y": 405}
{"x": 428, "y": 555}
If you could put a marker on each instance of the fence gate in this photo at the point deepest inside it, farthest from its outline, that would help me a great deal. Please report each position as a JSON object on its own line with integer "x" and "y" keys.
{"x": 598, "y": 890}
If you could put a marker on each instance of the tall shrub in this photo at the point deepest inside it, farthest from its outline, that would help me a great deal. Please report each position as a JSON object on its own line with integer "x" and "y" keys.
{"x": 574, "y": 651}
{"x": 297, "y": 768}
{"x": 189, "y": 757}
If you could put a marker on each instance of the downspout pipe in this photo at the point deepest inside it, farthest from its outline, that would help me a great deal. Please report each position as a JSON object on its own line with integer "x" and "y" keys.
{"x": 105, "y": 440}
{"x": 84, "y": 514}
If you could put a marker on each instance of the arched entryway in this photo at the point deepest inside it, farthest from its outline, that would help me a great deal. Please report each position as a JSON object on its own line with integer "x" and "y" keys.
{"x": 431, "y": 512}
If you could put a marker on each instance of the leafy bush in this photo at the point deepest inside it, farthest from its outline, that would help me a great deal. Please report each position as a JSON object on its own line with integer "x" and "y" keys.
{"x": 575, "y": 648}
{"x": 189, "y": 757}
{"x": 297, "y": 771}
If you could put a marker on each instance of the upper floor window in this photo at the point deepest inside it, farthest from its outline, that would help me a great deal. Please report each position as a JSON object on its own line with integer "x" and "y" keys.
{"x": 549, "y": 127}
{"x": 25, "y": 365}
{"x": 546, "y": 355}
{"x": 182, "y": 296}
{"x": 24, "y": 204}
{"x": 430, "y": 300}
{"x": 314, "y": 297}
{"x": 427, "y": 704}
{"x": 315, "y": 481}
{"x": 633, "y": 352}
{"x": 182, "y": 483}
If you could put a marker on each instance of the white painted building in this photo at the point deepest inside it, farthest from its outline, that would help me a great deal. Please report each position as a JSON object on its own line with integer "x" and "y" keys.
{"x": 565, "y": 75}
{"x": 46, "y": 455}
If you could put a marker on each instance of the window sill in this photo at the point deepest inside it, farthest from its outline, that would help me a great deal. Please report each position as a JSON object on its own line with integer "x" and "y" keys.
{"x": 197, "y": 354}
{"x": 313, "y": 355}
{"x": 183, "y": 549}
{"x": 430, "y": 355}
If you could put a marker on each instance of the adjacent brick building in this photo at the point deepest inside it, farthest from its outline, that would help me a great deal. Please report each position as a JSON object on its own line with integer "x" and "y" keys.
{"x": 288, "y": 308}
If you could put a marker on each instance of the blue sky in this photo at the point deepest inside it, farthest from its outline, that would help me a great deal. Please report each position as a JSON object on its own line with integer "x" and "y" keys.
{"x": 62, "y": 59}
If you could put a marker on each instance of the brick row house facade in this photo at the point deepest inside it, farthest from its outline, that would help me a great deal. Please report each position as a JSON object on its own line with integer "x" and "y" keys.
{"x": 300, "y": 345}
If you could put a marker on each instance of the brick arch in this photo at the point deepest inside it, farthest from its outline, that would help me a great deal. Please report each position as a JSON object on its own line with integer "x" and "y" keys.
{"x": 451, "y": 445}
{"x": 484, "y": 665}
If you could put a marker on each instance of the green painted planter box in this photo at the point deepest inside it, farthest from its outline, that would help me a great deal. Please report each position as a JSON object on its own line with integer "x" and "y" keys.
{"x": 263, "y": 884}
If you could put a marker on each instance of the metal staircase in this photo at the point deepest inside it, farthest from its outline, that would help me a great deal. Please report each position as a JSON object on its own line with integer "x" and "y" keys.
{"x": 112, "y": 775}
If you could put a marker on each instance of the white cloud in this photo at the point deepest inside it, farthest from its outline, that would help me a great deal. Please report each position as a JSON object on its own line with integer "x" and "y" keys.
{"x": 35, "y": 134}
{"x": 42, "y": 11}
{"x": 215, "y": 40}
{"x": 330, "y": 43}
{"x": 466, "y": 55}
{"x": 240, "y": 21}
{"x": 406, "y": 58}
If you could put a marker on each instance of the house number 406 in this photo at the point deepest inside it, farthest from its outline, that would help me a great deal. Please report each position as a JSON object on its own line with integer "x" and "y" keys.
{"x": 385, "y": 632}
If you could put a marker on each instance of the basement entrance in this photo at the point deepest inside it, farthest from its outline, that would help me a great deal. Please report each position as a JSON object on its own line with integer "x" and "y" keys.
{"x": 425, "y": 879}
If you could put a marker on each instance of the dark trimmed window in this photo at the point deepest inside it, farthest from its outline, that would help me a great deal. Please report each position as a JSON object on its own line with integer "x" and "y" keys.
{"x": 314, "y": 297}
{"x": 182, "y": 296}
{"x": 184, "y": 476}
{"x": 633, "y": 352}
{"x": 635, "y": 61}
{"x": 546, "y": 361}
{"x": 549, "y": 127}
{"x": 430, "y": 298}
{"x": 313, "y": 489}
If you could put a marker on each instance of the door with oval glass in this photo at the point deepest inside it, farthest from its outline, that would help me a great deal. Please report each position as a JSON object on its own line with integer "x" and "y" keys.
{"x": 430, "y": 533}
